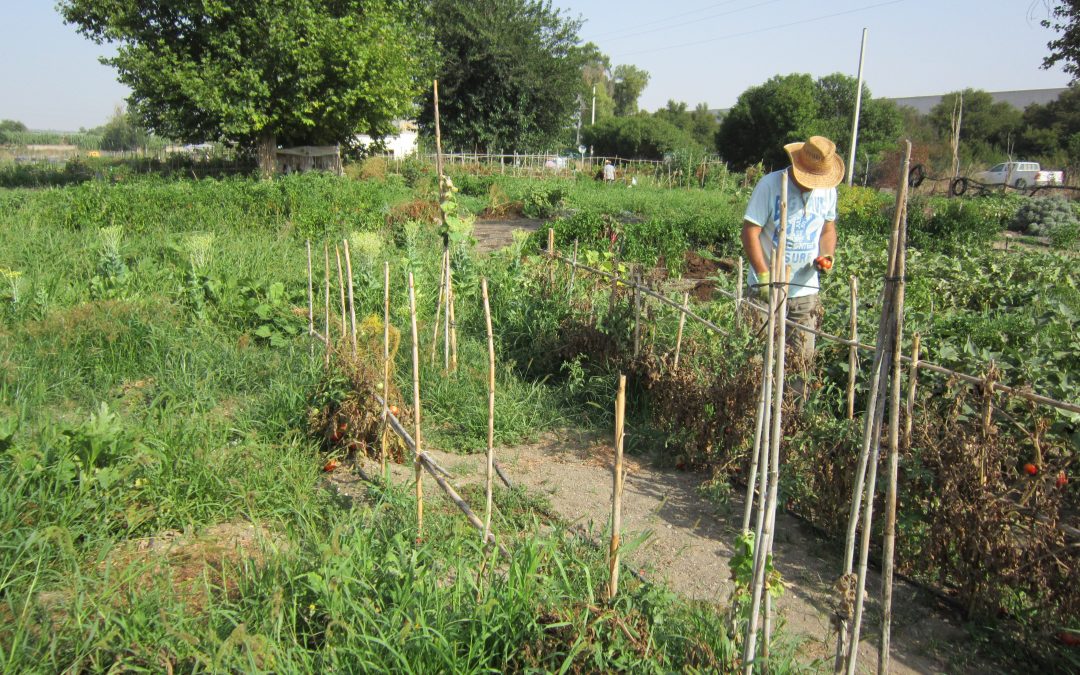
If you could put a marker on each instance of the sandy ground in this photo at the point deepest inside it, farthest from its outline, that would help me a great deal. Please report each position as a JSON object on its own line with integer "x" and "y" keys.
{"x": 689, "y": 542}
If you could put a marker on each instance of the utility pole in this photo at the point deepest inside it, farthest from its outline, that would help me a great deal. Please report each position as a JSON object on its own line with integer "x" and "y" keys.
{"x": 858, "y": 105}
{"x": 593, "y": 105}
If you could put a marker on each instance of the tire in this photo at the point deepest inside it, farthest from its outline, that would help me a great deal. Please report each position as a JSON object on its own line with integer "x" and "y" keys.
{"x": 958, "y": 187}
{"x": 1020, "y": 184}
{"x": 916, "y": 176}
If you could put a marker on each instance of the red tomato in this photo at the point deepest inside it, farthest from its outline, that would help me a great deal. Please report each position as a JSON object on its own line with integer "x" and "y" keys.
{"x": 1030, "y": 469}
{"x": 1062, "y": 479}
{"x": 331, "y": 465}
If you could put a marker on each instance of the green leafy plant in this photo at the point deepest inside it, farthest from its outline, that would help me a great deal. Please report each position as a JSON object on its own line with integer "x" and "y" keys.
{"x": 112, "y": 277}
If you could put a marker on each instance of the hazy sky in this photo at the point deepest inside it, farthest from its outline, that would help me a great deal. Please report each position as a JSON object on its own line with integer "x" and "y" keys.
{"x": 695, "y": 50}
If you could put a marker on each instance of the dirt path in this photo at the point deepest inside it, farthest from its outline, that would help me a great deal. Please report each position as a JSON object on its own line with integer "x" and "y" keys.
{"x": 491, "y": 235}
{"x": 690, "y": 542}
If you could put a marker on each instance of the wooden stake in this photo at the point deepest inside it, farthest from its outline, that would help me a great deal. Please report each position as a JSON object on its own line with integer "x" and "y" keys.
{"x": 446, "y": 315}
{"x": 491, "y": 407}
{"x": 551, "y": 257}
{"x": 438, "y": 306}
{"x": 892, "y": 292}
{"x": 438, "y": 143}
{"x": 739, "y": 294}
{"x": 637, "y": 311}
{"x": 310, "y": 298}
{"x": 767, "y": 500}
{"x": 416, "y": 408}
{"x": 614, "y": 281}
{"x": 326, "y": 307}
{"x": 341, "y": 290}
{"x": 853, "y": 350}
{"x": 450, "y": 314}
{"x": 386, "y": 362}
{"x": 913, "y": 383}
{"x": 889, "y": 545}
{"x": 352, "y": 301}
{"x": 682, "y": 323}
{"x": 616, "y": 493}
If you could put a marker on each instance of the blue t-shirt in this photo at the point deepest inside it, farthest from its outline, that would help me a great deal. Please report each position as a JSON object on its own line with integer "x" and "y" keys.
{"x": 807, "y": 214}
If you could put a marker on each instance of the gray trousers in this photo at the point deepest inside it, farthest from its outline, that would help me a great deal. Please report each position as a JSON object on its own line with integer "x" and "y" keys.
{"x": 807, "y": 311}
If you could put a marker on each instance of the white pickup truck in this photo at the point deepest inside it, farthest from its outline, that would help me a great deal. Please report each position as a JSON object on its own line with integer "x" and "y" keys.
{"x": 1020, "y": 175}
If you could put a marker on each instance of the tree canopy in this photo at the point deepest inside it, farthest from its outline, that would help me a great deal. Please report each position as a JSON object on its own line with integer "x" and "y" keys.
{"x": 1064, "y": 19}
{"x": 699, "y": 123}
{"x": 510, "y": 73}
{"x": 984, "y": 123}
{"x": 628, "y": 83}
{"x": 789, "y": 108}
{"x": 301, "y": 71}
{"x": 638, "y": 137}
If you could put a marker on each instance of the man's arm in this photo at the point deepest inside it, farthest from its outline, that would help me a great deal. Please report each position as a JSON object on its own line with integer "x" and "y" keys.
{"x": 827, "y": 242}
{"x": 751, "y": 241}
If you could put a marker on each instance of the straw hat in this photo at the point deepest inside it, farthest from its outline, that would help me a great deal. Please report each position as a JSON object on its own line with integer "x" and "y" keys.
{"x": 815, "y": 163}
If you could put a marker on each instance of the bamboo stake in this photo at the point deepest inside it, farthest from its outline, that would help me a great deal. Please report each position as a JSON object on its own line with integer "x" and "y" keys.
{"x": 551, "y": 257}
{"x": 341, "y": 290}
{"x": 913, "y": 383}
{"x": 326, "y": 303}
{"x": 637, "y": 312}
{"x": 491, "y": 407}
{"x": 767, "y": 499}
{"x": 853, "y": 351}
{"x": 450, "y": 314}
{"x": 871, "y": 421}
{"x": 416, "y": 408}
{"x": 573, "y": 271}
{"x": 386, "y": 362}
{"x": 616, "y": 494}
{"x": 889, "y": 545}
{"x": 759, "y": 430}
{"x": 438, "y": 306}
{"x": 891, "y": 315}
{"x": 682, "y": 323}
{"x": 739, "y": 294}
{"x": 352, "y": 301}
{"x": 310, "y": 299}
{"x": 614, "y": 281}
{"x": 446, "y": 315}
{"x": 438, "y": 143}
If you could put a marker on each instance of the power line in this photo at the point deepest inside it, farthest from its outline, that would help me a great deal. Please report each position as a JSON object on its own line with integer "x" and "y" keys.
{"x": 760, "y": 30}
{"x": 620, "y": 31}
{"x": 698, "y": 20}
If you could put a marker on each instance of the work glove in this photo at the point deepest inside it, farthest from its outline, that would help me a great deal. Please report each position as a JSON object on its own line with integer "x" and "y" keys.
{"x": 823, "y": 263}
{"x": 762, "y": 289}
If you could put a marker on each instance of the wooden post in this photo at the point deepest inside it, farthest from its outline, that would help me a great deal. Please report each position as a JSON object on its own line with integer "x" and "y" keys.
{"x": 913, "y": 383}
{"x": 614, "y": 280}
{"x": 352, "y": 301}
{"x": 310, "y": 299}
{"x": 386, "y": 363}
{"x": 326, "y": 307}
{"x": 438, "y": 306}
{"x": 416, "y": 408}
{"x": 341, "y": 290}
{"x": 551, "y": 258}
{"x": 616, "y": 494}
{"x": 682, "y": 323}
{"x": 491, "y": 407}
{"x": 438, "y": 142}
{"x": 853, "y": 350}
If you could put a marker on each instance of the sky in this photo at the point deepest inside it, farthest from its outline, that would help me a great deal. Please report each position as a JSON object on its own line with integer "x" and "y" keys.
{"x": 695, "y": 51}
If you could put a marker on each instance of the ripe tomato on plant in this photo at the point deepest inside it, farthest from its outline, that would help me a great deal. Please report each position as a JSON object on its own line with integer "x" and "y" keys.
{"x": 331, "y": 465}
{"x": 1030, "y": 469}
{"x": 1062, "y": 479}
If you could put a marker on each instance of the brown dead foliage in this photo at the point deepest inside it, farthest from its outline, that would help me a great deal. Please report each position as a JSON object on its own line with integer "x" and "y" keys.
{"x": 423, "y": 210}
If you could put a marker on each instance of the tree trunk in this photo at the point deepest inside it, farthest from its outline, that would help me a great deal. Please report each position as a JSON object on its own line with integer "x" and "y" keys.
{"x": 266, "y": 152}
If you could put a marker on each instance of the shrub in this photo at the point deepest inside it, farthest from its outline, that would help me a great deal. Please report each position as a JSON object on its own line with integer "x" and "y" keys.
{"x": 863, "y": 210}
{"x": 1044, "y": 216}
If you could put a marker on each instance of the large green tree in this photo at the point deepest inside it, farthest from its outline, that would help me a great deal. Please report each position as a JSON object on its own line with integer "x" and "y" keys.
{"x": 764, "y": 118}
{"x": 123, "y": 133}
{"x": 257, "y": 72}
{"x": 1053, "y": 130}
{"x": 628, "y": 83}
{"x": 985, "y": 126}
{"x": 1064, "y": 18}
{"x": 510, "y": 73}
{"x": 700, "y": 123}
{"x": 8, "y": 130}
{"x": 880, "y": 120}
{"x": 638, "y": 137}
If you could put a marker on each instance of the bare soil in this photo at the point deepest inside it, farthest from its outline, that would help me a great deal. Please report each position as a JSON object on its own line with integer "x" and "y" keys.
{"x": 689, "y": 543}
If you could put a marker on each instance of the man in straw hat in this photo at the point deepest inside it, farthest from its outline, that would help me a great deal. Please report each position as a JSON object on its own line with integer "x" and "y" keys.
{"x": 814, "y": 173}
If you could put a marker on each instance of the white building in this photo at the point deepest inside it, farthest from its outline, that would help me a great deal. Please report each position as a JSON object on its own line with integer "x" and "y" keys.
{"x": 400, "y": 144}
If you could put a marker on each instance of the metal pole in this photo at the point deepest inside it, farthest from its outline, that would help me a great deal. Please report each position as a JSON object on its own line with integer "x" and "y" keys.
{"x": 593, "y": 123}
{"x": 855, "y": 121}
